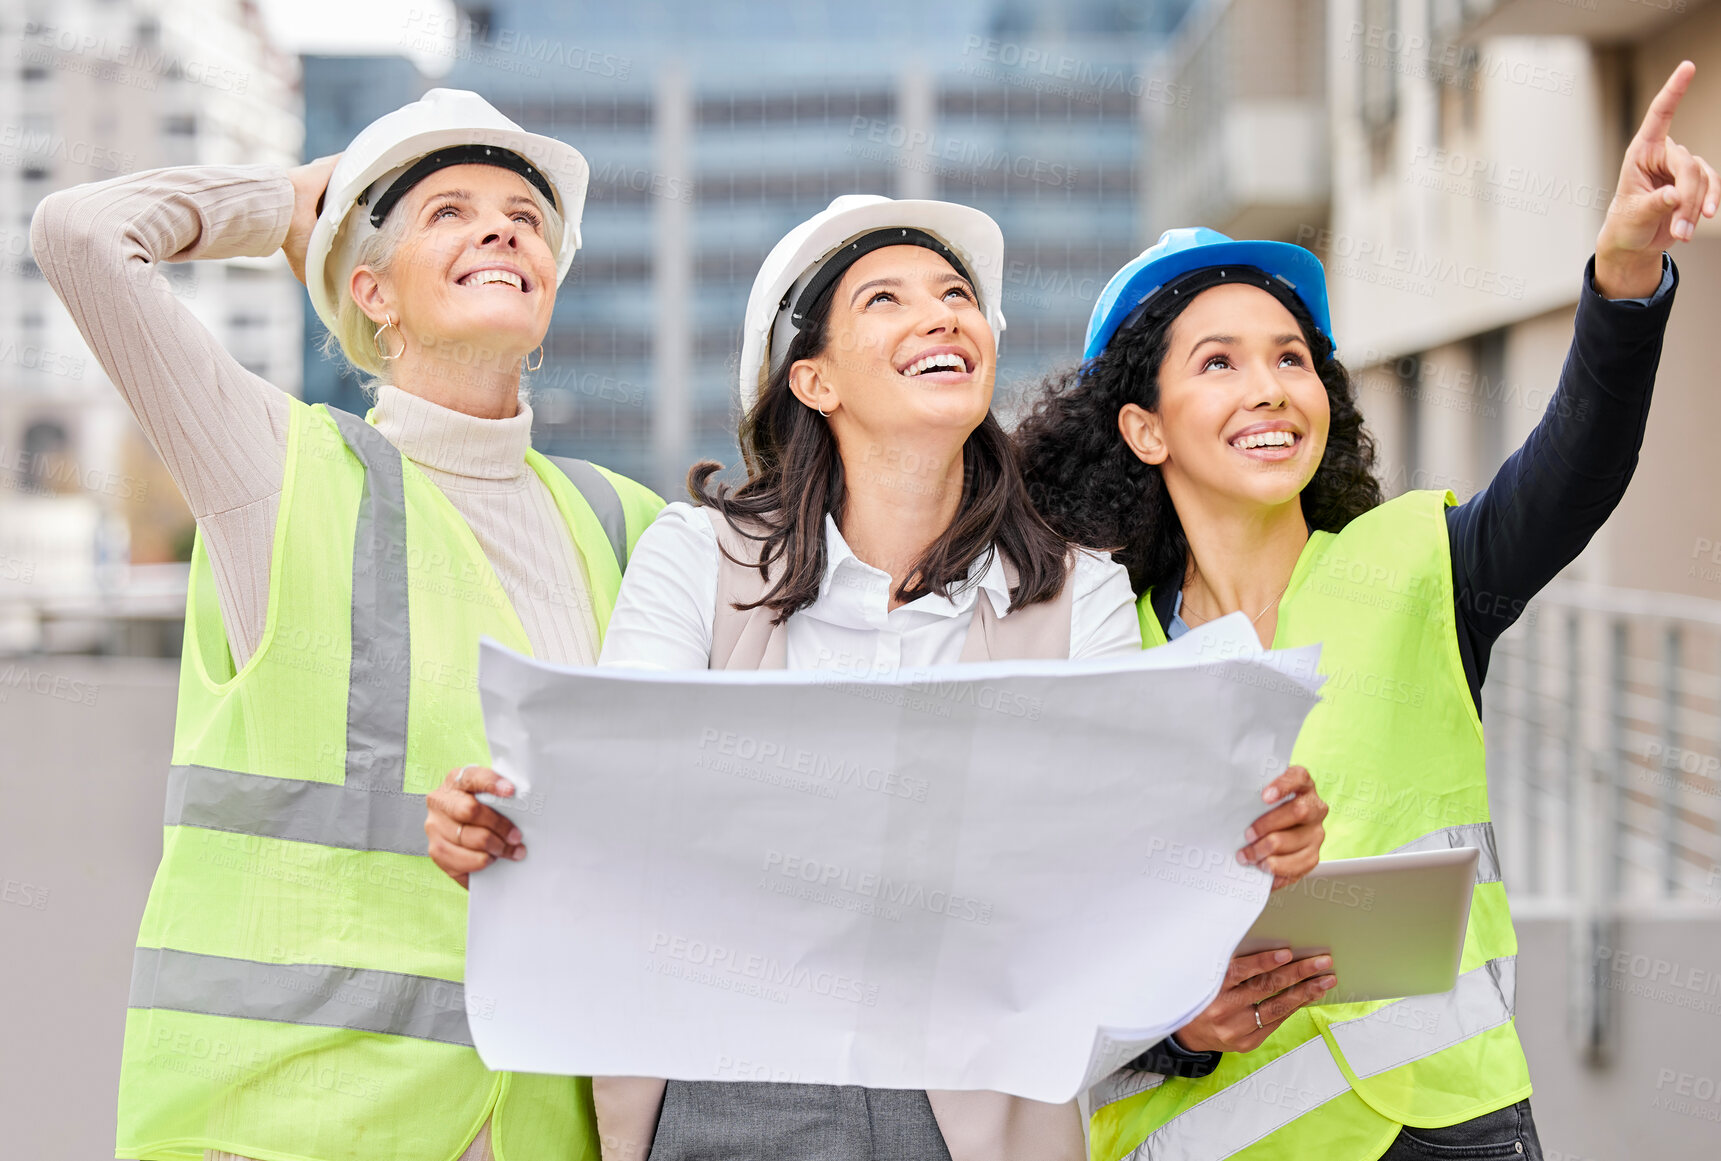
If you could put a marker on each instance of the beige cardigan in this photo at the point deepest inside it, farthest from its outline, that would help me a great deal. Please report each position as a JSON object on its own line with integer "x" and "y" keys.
{"x": 977, "y": 1126}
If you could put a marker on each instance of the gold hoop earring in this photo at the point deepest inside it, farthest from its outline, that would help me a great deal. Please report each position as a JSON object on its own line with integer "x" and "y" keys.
{"x": 540, "y": 362}
{"x": 381, "y": 353}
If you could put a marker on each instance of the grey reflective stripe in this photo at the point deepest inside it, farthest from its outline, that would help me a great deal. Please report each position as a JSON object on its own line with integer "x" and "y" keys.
{"x": 1121, "y": 1085}
{"x": 320, "y": 995}
{"x": 1477, "y": 834}
{"x": 354, "y": 817}
{"x": 1241, "y": 1113}
{"x": 372, "y": 811}
{"x": 380, "y": 679}
{"x": 603, "y": 498}
{"x": 1418, "y": 1026}
{"x": 1306, "y": 1077}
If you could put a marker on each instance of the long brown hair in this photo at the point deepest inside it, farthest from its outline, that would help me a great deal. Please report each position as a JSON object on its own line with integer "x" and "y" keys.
{"x": 795, "y": 477}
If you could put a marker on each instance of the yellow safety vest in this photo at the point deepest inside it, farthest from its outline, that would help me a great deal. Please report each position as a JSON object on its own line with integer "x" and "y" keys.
{"x": 1395, "y": 746}
{"x": 296, "y": 994}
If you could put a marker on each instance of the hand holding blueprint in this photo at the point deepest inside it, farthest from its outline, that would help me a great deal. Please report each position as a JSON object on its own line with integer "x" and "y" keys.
{"x": 1009, "y": 876}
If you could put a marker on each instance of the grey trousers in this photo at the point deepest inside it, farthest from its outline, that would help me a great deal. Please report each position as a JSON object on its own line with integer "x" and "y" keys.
{"x": 747, "y": 1121}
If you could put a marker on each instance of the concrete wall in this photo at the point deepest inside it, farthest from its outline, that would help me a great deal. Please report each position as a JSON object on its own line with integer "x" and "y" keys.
{"x": 1476, "y": 205}
{"x": 85, "y": 776}
{"x": 1657, "y": 1096}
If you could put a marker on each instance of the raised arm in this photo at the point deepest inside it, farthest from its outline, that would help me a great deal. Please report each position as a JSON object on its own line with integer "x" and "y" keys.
{"x": 1554, "y": 492}
{"x": 221, "y": 430}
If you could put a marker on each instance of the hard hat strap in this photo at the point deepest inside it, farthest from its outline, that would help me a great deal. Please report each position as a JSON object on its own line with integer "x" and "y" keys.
{"x": 834, "y": 266}
{"x": 457, "y": 155}
{"x": 1193, "y": 282}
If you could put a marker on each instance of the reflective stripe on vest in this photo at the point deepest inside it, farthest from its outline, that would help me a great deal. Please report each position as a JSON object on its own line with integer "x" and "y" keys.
{"x": 380, "y": 680}
{"x": 356, "y": 818}
{"x": 296, "y": 930}
{"x": 1307, "y": 1077}
{"x": 297, "y": 993}
{"x": 371, "y": 811}
{"x": 335, "y": 814}
{"x": 1476, "y": 834}
{"x": 604, "y": 500}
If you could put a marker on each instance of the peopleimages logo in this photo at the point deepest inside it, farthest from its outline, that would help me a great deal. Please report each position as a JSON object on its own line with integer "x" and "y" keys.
{"x": 903, "y": 893}
{"x": 1400, "y": 268}
{"x": 795, "y": 760}
{"x": 1688, "y": 1093}
{"x": 732, "y": 969}
{"x": 1079, "y": 76}
{"x": 968, "y": 160}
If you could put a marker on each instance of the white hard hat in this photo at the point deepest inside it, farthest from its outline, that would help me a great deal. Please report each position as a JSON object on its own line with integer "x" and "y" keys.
{"x": 458, "y": 127}
{"x": 972, "y": 236}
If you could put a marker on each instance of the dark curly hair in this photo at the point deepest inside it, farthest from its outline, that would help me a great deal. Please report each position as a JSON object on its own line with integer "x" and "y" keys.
{"x": 1093, "y": 490}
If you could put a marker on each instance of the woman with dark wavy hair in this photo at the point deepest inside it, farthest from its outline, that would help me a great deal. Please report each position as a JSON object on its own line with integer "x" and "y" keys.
{"x": 1211, "y": 441}
{"x": 1081, "y": 445}
{"x": 882, "y": 525}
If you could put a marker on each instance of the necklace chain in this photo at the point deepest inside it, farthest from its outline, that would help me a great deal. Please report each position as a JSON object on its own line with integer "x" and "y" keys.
{"x": 1256, "y": 619}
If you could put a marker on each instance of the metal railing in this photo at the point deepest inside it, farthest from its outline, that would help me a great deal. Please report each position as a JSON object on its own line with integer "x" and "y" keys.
{"x": 1603, "y": 714}
{"x": 1603, "y": 709}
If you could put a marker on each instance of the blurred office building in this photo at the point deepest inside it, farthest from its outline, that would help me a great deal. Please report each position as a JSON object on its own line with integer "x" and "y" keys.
{"x": 91, "y": 90}
{"x": 712, "y": 128}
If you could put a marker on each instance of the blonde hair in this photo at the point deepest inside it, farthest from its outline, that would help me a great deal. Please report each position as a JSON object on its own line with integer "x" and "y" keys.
{"x": 354, "y": 334}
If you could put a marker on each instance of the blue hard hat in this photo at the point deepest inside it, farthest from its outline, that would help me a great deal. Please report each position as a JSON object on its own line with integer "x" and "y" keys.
{"x": 1191, "y": 248}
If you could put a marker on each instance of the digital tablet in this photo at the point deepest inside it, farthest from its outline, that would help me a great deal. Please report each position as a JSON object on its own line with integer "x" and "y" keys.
{"x": 1394, "y": 924}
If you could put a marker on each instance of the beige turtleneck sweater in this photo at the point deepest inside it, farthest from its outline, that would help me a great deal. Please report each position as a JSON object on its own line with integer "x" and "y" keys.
{"x": 223, "y": 430}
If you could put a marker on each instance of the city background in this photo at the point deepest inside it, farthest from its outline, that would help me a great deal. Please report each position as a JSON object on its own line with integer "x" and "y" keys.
{"x": 1450, "y": 160}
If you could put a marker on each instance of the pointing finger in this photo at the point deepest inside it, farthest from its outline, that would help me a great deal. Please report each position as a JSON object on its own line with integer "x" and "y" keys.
{"x": 1659, "y": 119}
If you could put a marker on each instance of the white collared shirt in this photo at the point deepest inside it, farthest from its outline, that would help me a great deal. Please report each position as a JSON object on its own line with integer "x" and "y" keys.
{"x": 663, "y": 614}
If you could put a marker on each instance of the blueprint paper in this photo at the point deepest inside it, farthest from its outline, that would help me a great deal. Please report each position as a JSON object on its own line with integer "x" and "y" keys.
{"x": 1010, "y": 875}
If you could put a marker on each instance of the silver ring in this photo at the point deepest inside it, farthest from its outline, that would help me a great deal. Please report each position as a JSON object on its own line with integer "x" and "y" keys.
{"x": 1257, "y": 1010}
{"x": 460, "y": 841}
{"x": 460, "y": 778}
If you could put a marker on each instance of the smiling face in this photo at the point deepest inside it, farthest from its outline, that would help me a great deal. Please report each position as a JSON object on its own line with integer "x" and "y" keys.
{"x": 907, "y": 349}
{"x": 473, "y": 269}
{"x": 1242, "y": 415}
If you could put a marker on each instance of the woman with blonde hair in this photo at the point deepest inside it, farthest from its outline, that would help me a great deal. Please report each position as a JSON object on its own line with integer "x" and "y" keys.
{"x": 296, "y": 991}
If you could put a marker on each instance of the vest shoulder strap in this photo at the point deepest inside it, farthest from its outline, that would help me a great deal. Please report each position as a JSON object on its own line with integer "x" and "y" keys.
{"x": 742, "y": 638}
{"x": 605, "y": 501}
{"x": 747, "y": 638}
{"x": 1035, "y": 631}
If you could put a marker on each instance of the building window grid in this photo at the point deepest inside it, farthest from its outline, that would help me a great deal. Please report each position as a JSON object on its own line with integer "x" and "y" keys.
{"x": 603, "y": 400}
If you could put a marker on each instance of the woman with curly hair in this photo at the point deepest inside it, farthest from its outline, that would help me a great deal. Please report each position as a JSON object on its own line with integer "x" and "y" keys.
{"x": 1211, "y": 441}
